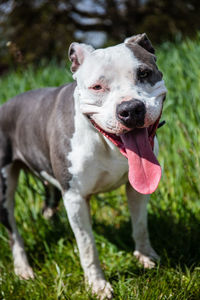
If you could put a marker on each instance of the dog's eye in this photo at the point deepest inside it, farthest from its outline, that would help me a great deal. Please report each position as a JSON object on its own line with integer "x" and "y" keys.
{"x": 142, "y": 74}
{"x": 97, "y": 87}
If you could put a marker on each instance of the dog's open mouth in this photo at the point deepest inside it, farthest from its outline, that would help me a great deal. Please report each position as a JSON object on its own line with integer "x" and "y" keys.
{"x": 137, "y": 146}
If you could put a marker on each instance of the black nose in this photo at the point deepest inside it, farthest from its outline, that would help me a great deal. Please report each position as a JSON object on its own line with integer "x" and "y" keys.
{"x": 131, "y": 113}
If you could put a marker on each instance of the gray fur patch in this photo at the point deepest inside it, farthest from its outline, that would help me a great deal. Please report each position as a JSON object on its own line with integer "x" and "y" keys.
{"x": 148, "y": 60}
{"x": 39, "y": 125}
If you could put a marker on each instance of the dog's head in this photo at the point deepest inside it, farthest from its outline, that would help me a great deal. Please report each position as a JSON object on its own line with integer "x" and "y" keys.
{"x": 122, "y": 91}
{"x": 120, "y": 87}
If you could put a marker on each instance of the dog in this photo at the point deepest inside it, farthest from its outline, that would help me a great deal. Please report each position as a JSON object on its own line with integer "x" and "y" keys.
{"x": 86, "y": 137}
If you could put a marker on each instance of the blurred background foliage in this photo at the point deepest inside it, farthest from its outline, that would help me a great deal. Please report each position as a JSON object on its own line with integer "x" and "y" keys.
{"x": 34, "y": 30}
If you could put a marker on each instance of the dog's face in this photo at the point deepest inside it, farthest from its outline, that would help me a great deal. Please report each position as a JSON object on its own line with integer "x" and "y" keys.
{"x": 120, "y": 87}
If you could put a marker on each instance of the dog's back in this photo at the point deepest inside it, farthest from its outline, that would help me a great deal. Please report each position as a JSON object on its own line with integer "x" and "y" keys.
{"x": 27, "y": 122}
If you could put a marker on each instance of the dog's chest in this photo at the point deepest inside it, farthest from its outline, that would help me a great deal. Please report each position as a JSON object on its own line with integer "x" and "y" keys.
{"x": 96, "y": 164}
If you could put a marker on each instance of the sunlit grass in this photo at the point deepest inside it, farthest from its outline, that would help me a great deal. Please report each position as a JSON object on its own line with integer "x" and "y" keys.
{"x": 174, "y": 210}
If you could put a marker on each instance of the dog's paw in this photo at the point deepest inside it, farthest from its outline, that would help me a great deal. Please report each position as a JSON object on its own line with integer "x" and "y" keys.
{"x": 24, "y": 272}
{"x": 48, "y": 213}
{"x": 101, "y": 289}
{"x": 148, "y": 261}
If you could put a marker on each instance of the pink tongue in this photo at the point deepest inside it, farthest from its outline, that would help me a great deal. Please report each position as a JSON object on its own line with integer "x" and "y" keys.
{"x": 144, "y": 169}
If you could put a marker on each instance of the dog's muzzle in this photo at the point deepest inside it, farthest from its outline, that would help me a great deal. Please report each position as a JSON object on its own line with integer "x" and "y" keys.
{"x": 131, "y": 113}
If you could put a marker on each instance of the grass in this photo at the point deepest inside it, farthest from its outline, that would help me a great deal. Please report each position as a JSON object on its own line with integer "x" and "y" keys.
{"x": 174, "y": 210}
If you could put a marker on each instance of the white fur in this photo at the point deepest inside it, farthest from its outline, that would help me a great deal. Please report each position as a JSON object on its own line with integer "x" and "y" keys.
{"x": 138, "y": 208}
{"x": 115, "y": 68}
{"x": 96, "y": 164}
{"x": 78, "y": 214}
{"x": 93, "y": 154}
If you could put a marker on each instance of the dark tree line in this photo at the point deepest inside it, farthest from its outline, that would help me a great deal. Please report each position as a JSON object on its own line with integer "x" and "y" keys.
{"x": 34, "y": 29}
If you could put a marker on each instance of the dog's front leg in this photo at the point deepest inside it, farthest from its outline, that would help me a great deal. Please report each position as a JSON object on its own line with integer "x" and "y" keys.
{"x": 138, "y": 208}
{"x": 79, "y": 218}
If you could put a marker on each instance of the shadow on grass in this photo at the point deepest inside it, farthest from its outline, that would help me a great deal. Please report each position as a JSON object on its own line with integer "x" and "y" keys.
{"x": 176, "y": 243}
{"x": 46, "y": 236}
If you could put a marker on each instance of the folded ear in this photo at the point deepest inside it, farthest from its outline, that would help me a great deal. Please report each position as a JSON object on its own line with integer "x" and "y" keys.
{"x": 77, "y": 53}
{"x": 142, "y": 40}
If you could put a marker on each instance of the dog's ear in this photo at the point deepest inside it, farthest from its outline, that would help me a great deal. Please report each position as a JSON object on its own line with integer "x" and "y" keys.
{"x": 142, "y": 40}
{"x": 77, "y": 53}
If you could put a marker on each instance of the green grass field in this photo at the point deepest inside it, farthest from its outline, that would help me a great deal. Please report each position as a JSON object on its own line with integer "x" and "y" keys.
{"x": 174, "y": 210}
